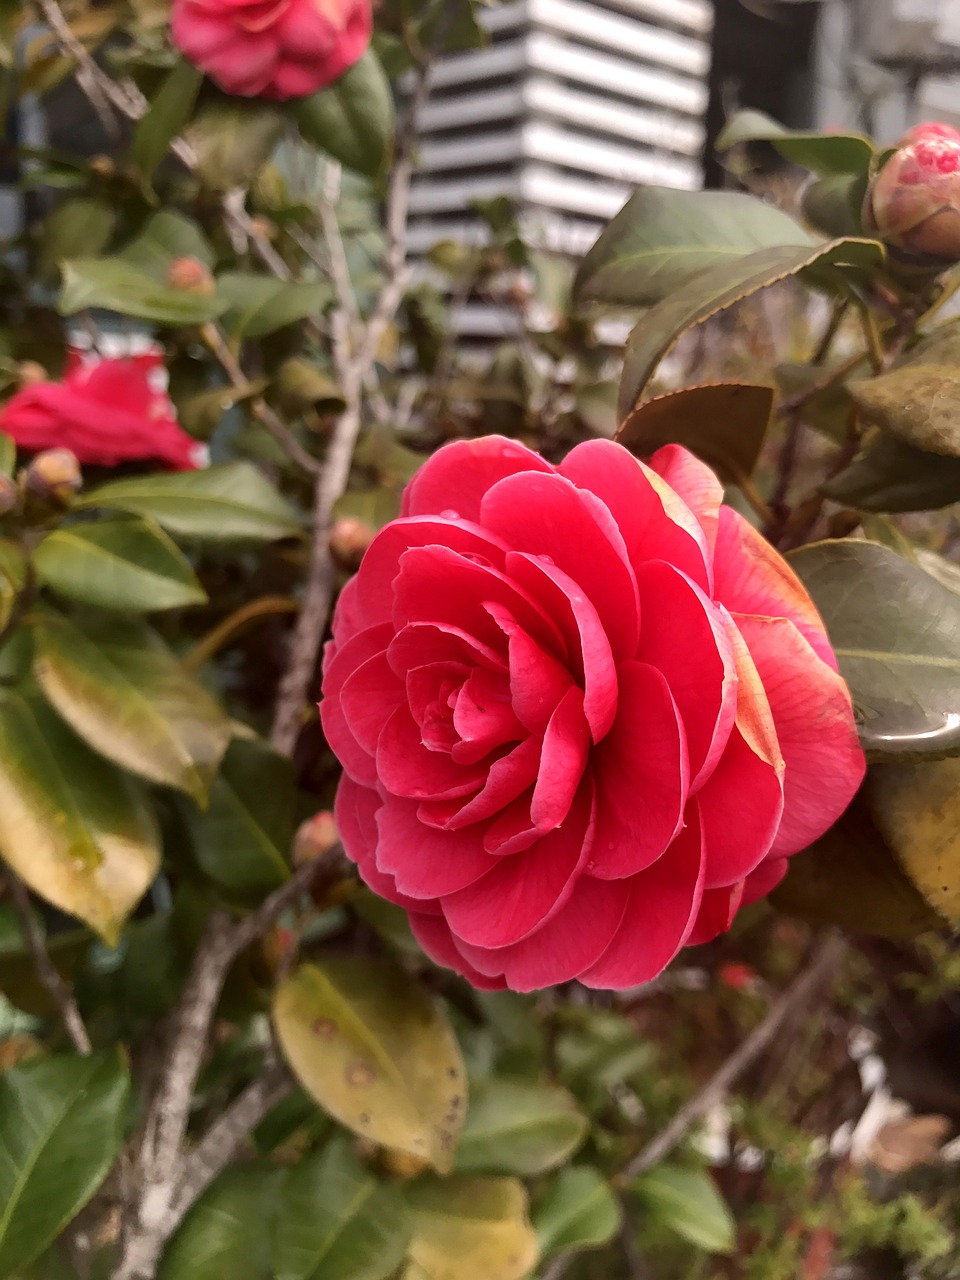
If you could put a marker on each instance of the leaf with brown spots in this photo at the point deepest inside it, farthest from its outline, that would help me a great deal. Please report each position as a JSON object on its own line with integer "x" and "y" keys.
{"x": 377, "y": 1053}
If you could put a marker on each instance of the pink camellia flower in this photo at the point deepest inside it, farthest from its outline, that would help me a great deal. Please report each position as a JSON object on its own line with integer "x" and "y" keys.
{"x": 105, "y": 411}
{"x": 913, "y": 203}
{"x": 272, "y": 48}
{"x": 584, "y": 712}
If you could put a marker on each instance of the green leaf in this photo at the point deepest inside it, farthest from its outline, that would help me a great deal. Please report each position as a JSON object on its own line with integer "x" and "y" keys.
{"x": 62, "y": 1124}
{"x": 226, "y": 1235}
{"x": 896, "y": 634}
{"x": 259, "y": 305}
{"x": 465, "y": 1228}
{"x": 377, "y": 1053}
{"x": 850, "y": 878}
{"x": 578, "y": 1211}
{"x": 12, "y": 576}
{"x": 8, "y": 455}
{"x": 919, "y": 404}
{"x": 71, "y": 825}
{"x": 893, "y": 476}
{"x": 123, "y": 564}
{"x": 170, "y": 109}
{"x": 233, "y": 139}
{"x": 241, "y": 840}
{"x": 724, "y": 423}
{"x": 352, "y": 120}
{"x": 80, "y": 225}
{"x": 116, "y": 286}
{"x": 916, "y": 807}
{"x": 519, "y": 1126}
{"x": 120, "y": 688}
{"x": 229, "y": 503}
{"x": 822, "y": 152}
{"x": 833, "y": 203}
{"x": 721, "y": 286}
{"x": 662, "y": 238}
{"x": 165, "y": 235}
{"x": 687, "y": 1201}
{"x": 337, "y": 1222}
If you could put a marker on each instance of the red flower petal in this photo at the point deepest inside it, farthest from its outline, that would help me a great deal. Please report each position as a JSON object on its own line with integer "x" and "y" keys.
{"x": 815, "y": 728}
{"x": 425, "y": 862}
{"x": 457, "y": 476}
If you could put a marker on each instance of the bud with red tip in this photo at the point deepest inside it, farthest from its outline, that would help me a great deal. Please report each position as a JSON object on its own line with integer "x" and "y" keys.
{"x": 315, "y": 838}
{"x": 54, "y": 476}
{"x": 349, "y": 539}
{"x": 913, "y": 203}
{"x": 191, "y": 275}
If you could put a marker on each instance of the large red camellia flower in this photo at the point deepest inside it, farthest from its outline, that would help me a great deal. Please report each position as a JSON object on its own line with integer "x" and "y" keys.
{"x": 272, "y": 48}
{"x": 105, "y": 411}
{"x": 584, "y": 713}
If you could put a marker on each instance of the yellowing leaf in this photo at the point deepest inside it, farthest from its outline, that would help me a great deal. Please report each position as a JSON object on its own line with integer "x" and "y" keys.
{"x": 917, "y": 808}
{"x": 468, "y": 1228}
{"x": 377, "y": 1053}
{"x": 72, "y": 826}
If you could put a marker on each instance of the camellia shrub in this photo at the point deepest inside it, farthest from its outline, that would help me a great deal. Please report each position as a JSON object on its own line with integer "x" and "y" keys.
{"x": 371, "y": 708}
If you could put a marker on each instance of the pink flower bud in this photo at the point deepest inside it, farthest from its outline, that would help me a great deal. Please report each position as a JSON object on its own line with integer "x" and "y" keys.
{"x": 349, "y": 539}
{"x": 315, "y": 838}
{"x": 54, "y": 475}
{"x": 913, "y": 204}
{"x": 190, "y": 275}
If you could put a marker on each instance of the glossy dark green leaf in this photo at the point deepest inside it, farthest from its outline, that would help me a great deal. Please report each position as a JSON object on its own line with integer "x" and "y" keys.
{"x": 80, "y": 225}
{"x": 519, "y": 1126}
{"x": 233, "y": 138}
{"x": 12, "y": 577}
{"x": 890, "y": 475}
{"x": 579, "y": 1210}
{"x": 129, "y": 565}
{"x": 242, "y": 838}
{"x": 822, "y": 152}
{"x": 688, "y": 1202}
{"x": 114, "y": 285}
{"x": 917, "y": 809}
{"x": 377, "y": 1052}
{"x": 72, "y": 826}
{"x": 233, "y": 502}
{"x": 662, "y": 238}
{"x": 258, "y": 305}
{"x": 352, "y": 120}
{"x": 226, "y": 1235}
{"x": 833, "y": 203}
{"x": 337, "y": 1222}
{"x": 896, "y": 634}
{"x": 170, "y": 109}
{"x": 125, "y": 693}
{"x": 718, "y": 288}
{"x": 851, "y": 878}
{"x": 724, "y": 423}
{"x": 466, "y": 1227}
{"x": 61, "y": 1120}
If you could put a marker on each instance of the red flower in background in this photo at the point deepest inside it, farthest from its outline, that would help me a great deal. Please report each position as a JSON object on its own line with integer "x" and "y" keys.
{"x": 272, "y": 48}
{"x": 584, "y": 712}
{"x": 105, "y": 411}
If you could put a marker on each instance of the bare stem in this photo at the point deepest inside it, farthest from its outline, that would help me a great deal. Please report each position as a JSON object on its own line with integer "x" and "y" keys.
{"x": 157, "y": 1212}
{"x": 354, "y": 363}
{"x": 801, "y": 990}
{"x": 47, "y": 972}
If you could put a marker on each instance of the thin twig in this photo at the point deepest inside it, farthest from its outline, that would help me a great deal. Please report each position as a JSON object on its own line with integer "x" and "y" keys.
{"x": 87, "y": 78}
{"x": 221, "y": 1142}
{"x": 47, "y": 972}
{"x": 154, "y": 1217}
{"x": 800, "y": 991}
{"x": 214, "y": 338}
{"x": 321, "y": 576}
